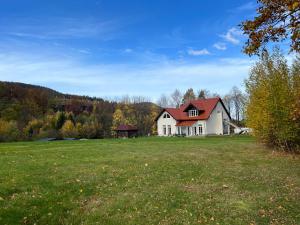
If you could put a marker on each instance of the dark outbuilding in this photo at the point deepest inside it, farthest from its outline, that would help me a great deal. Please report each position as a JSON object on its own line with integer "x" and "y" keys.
{"x": 127, "y": 131}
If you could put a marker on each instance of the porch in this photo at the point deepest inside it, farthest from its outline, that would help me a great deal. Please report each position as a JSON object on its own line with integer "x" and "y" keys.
{"x": 190, "y": 128}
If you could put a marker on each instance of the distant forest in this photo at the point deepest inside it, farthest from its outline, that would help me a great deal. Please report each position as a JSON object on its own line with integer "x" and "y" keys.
{"x": 29, "y": 112}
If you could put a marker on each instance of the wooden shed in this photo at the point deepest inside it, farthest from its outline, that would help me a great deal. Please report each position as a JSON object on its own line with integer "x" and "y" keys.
{"x": 126, "y": 131}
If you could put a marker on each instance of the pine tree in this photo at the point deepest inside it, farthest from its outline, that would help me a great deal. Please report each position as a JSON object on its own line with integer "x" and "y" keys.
{"x": 189, "y": 95}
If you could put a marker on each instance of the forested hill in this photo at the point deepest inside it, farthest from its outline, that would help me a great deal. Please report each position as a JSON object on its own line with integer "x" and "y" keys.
{"x": 29, "y": 111}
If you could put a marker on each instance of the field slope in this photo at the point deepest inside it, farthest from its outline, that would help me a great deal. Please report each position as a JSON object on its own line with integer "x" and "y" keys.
{"x": 217, "y": 180}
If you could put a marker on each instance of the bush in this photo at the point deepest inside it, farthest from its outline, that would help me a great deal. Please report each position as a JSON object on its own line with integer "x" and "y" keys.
{"x": 33, "y": 128}
{"x": 9, "y": 131}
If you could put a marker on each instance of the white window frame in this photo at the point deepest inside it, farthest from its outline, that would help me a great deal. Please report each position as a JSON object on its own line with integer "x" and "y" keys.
{"x": 164, "y": 129}
{"x": 166, "y": 115}
{"x": 169, "y": 130}
{"x": 193, "y": 112}
{"x": 200, "y": 128}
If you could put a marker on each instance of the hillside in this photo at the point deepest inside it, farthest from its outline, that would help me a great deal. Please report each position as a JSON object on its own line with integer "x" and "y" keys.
{"x": 22, "y": 103}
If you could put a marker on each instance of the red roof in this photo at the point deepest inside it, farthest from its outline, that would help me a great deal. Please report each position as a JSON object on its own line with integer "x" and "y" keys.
{"x": 205, "y": 106}
{"x": 186, "y": 123}
{"x": 124, "y": 127}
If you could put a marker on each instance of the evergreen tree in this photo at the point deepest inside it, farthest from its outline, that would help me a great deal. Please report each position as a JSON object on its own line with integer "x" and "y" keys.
{"x": 189, "y": 95}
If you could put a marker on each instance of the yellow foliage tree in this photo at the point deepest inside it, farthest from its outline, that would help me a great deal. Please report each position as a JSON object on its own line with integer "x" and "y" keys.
{"x": 118, "y": 119}
{"x": 8, "y": 131}
{"x": 271, "y": 102}
{"x": 68, "y": 130}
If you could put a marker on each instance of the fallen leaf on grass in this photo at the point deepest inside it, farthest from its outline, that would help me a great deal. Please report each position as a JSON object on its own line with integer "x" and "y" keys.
{"x": 262, "y": 212}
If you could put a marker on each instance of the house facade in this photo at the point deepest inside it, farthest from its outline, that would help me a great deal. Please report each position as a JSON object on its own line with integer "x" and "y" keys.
{"x": 195, "y": 118}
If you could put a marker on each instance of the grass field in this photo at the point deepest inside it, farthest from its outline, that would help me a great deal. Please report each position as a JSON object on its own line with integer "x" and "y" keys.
{"x": 216, "y": 180}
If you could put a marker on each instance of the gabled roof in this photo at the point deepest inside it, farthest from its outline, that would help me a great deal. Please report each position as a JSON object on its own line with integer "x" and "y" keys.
{"x": 124, "y": 127}
{"x": 196, "y": 104}
{"x": 206, "y": 106}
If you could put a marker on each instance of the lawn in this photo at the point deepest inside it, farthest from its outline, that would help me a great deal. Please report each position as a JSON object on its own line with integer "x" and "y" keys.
{"x": 215, "y": 180}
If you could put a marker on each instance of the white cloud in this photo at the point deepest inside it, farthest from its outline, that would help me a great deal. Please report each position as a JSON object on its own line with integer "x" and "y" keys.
{"x": 198, "y": 52}
{"x": 220, "y": 46}
{"x": 233, "y": 35}
{"x": 62, "y": 28}
{"x": 128, "y": 50}
{"x": 71, "y": 75}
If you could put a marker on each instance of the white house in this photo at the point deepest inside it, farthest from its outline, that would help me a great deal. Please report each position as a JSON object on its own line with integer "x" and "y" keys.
{"x": 195, "y": 118}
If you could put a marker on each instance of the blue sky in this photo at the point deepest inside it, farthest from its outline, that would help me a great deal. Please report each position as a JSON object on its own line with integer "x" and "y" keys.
{"x": 114, "y": 48}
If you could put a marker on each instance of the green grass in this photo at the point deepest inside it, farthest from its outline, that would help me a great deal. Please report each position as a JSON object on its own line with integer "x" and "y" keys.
{"x": 215, "y": 180}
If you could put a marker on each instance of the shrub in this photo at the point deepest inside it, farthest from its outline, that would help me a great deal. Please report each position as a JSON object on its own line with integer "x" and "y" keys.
{"x": 9, "y": 131}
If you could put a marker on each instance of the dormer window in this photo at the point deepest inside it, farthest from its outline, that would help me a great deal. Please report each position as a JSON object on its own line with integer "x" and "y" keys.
{"x": 166, "y": 115}
{"x": 193, "y": 112}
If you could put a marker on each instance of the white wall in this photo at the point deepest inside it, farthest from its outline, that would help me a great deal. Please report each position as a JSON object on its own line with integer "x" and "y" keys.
{"x": 166, "y": 121}
{"x": 215, "y": 121}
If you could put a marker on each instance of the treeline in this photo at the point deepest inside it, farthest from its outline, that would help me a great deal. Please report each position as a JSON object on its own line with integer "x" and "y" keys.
{"x": 274, "y": 101}
{"x": 29, "y": 112}
{"x": 235, "y": 101}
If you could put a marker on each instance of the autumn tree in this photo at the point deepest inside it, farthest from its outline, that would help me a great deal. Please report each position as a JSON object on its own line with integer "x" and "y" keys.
{"x": 273, "y": 100}
{"x": 33, "y": 128}
{"x": 68, "y": 130}
{"x": 88, "y": 130}
{"x": 276, "y": 20}
{"x": 8, "y": 131}
{"x": 295, "y": 73}
{"x": 118, "y": 119}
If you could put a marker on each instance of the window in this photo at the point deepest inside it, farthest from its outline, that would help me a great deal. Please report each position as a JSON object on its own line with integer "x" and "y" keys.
{"x": 193, "y": 112}
{"x": 169, "y": 130}
{"x": 200, "y": 129}
{"x": 166, "y": 115}
{"x": 195, "y": 130}
{"x": 164, "y": 129}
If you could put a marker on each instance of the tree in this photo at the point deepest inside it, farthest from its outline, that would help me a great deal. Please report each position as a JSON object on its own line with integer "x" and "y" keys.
{"x": 176, "y": 97}
{"x": 189, "y": 95}
{"x": 227, "y": 100}
{"x": 295, "y": 73}
{"x": 118, "y": 119}
{"x": 273, "y": 97}
{"x": 276, "y": 21}
{"x": 163, "y": 101}
{"x": 202, "y": 94}
{"x": 87, "y": 130}
{"x": 238, "y": 101}
{"x": 33, "y": 128}
{"x": 8, "y": 131}
{"x": 60, "y": 120}
{"x": 68, "y": 130}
